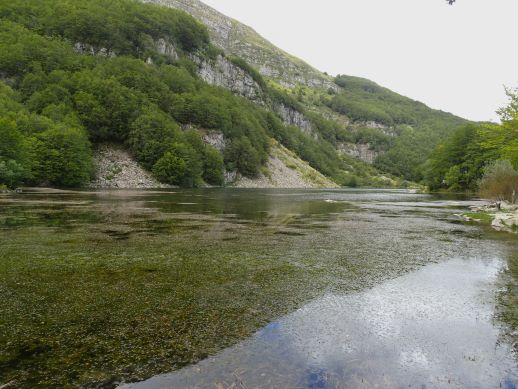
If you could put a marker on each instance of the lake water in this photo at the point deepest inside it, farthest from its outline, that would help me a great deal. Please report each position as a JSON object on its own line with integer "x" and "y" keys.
{"x": 250, "y": 288}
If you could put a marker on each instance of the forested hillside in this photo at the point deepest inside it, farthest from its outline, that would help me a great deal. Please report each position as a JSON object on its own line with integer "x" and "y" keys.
{"x": 76, "y": 74}
{"x": 398, "y": 132}
{"x": 414, "y": 126}
{"x": 81, "y": 73}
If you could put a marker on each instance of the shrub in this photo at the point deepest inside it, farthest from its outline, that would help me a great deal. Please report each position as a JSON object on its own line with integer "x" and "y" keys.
{"x": 212, "y": 160}
{"x": 243, "y": 157}
{"x": 179, "y": 166}
{"x": 151, "y": 134}
{"x": 500, "y": 181}
{"x": 14, "y": 161}
{"x": 11, "y": 173}
{"x": 213, "y": 166}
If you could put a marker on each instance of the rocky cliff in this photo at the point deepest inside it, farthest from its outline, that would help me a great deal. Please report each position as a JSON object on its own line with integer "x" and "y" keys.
{"x": 222, "y": 72}
{"x": 238, "y": 39}
{"x": 362, "y": 151}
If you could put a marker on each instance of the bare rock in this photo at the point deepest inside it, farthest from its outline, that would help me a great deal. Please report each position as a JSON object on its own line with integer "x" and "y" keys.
{"x": 293, "y": 117}
{"x": 214, "y": 138}
{"x": 361, "y": 151}
{"x": 117, "y": 169}
{"x": 506, "y": 221}
{"x": 222, "y": 72}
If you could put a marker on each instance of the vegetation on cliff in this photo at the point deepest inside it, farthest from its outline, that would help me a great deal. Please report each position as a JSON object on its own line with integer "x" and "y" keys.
{"x": 79, "y": 74}
{"x": 123, "y": 72}
{"x": 403, "y": 132}
{"x": 413, "y": 126}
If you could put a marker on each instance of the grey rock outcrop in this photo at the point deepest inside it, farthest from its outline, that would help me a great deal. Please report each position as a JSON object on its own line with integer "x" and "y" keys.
{"x": 222, "y": 72}
{"x": 293, "y": 117}
{"x": 506, "y": 221}
{"x": 214, "y": 138}
{"x": 235, "y": 37}
{"x": 504, "y": 215}
{"x": 166, "y": 48}
{"x": 85, "y": 48}
{"x": 361, "y": 151}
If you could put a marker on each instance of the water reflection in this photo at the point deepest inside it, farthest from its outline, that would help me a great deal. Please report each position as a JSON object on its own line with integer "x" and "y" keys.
{"x": 431, "y": 328}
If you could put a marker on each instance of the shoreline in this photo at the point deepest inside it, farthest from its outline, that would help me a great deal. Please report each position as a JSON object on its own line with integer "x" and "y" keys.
{"x": 501, "y": 216}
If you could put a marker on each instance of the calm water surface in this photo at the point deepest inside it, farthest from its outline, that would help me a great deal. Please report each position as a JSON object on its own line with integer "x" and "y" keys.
{"x": 262, "y": 288}
{"x": 431, "y": 328}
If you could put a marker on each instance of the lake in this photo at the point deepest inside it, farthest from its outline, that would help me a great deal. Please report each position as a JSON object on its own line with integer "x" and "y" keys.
{"x": 258, "y": 288}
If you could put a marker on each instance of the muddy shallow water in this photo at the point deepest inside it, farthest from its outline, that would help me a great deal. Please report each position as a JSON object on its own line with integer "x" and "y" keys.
{"x": 283, "y": 288}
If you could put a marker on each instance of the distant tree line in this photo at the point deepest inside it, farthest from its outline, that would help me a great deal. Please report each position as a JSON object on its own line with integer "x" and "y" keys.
{"x": 473, "y": 150}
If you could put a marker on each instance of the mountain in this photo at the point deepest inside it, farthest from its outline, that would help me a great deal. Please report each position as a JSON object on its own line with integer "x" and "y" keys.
{"x": 240, "y": 40}
{"x": 195, "y": 100}
{"x": 377, "y": 125}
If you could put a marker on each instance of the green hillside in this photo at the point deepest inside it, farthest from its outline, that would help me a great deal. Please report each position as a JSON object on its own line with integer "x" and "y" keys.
{"x": 416, "y": 127}
{"x": 352, "y": 103}
{"x": 120, "y": 88}
{"x": 75, "y": 74}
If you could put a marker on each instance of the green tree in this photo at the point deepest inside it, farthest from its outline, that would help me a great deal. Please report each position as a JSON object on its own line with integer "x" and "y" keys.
{"x": 458, "y": 163}
{"x": 180, "y": 165}
{"x": 242, "y": 156}
{"x": 212, "y": 160}
{"x": 151, "y": 135}
{"x": 63, "y": 157}
{"x": 505, "y": 137}
{"x": 213, "y": 166}
{"x": 14, "y": 154}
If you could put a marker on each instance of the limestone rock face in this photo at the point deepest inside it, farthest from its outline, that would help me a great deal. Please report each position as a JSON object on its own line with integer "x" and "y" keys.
{"x": 361, "y": 151}
{"x": 293, "y": 117}
{"x": 166, "y": 48}
{"x": 222, "y": 72}
{"x": 85, "y": 48}
{"x": 214, "y": 138}
{"x": 238, "y": 39}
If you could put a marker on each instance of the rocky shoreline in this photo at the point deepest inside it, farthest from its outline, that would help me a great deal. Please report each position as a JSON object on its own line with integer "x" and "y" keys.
{"x": 501, "y": 215}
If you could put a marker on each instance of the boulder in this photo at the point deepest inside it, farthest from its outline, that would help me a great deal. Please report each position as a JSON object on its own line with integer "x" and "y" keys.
{"x": 506, "y": 221}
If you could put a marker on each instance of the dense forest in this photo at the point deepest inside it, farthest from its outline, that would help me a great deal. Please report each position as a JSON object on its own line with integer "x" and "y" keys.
{"x": 58, "y": 100}
{"x": 75, "y": 74}
{"x": 415, "y": 127}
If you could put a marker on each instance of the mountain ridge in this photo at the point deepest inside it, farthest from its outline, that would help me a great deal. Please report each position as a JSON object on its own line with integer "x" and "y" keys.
{"x": 354, "y": 106}
{"x": 147, "y": 77}
{"x": 229, "y": 34}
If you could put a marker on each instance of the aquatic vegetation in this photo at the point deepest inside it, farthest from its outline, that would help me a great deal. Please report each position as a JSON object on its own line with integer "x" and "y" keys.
{"x": 482, "y": 217}
{"x": 101, "y": 287}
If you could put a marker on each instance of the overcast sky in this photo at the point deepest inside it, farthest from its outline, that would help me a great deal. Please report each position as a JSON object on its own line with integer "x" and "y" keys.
{"x": 455, "y": 58}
